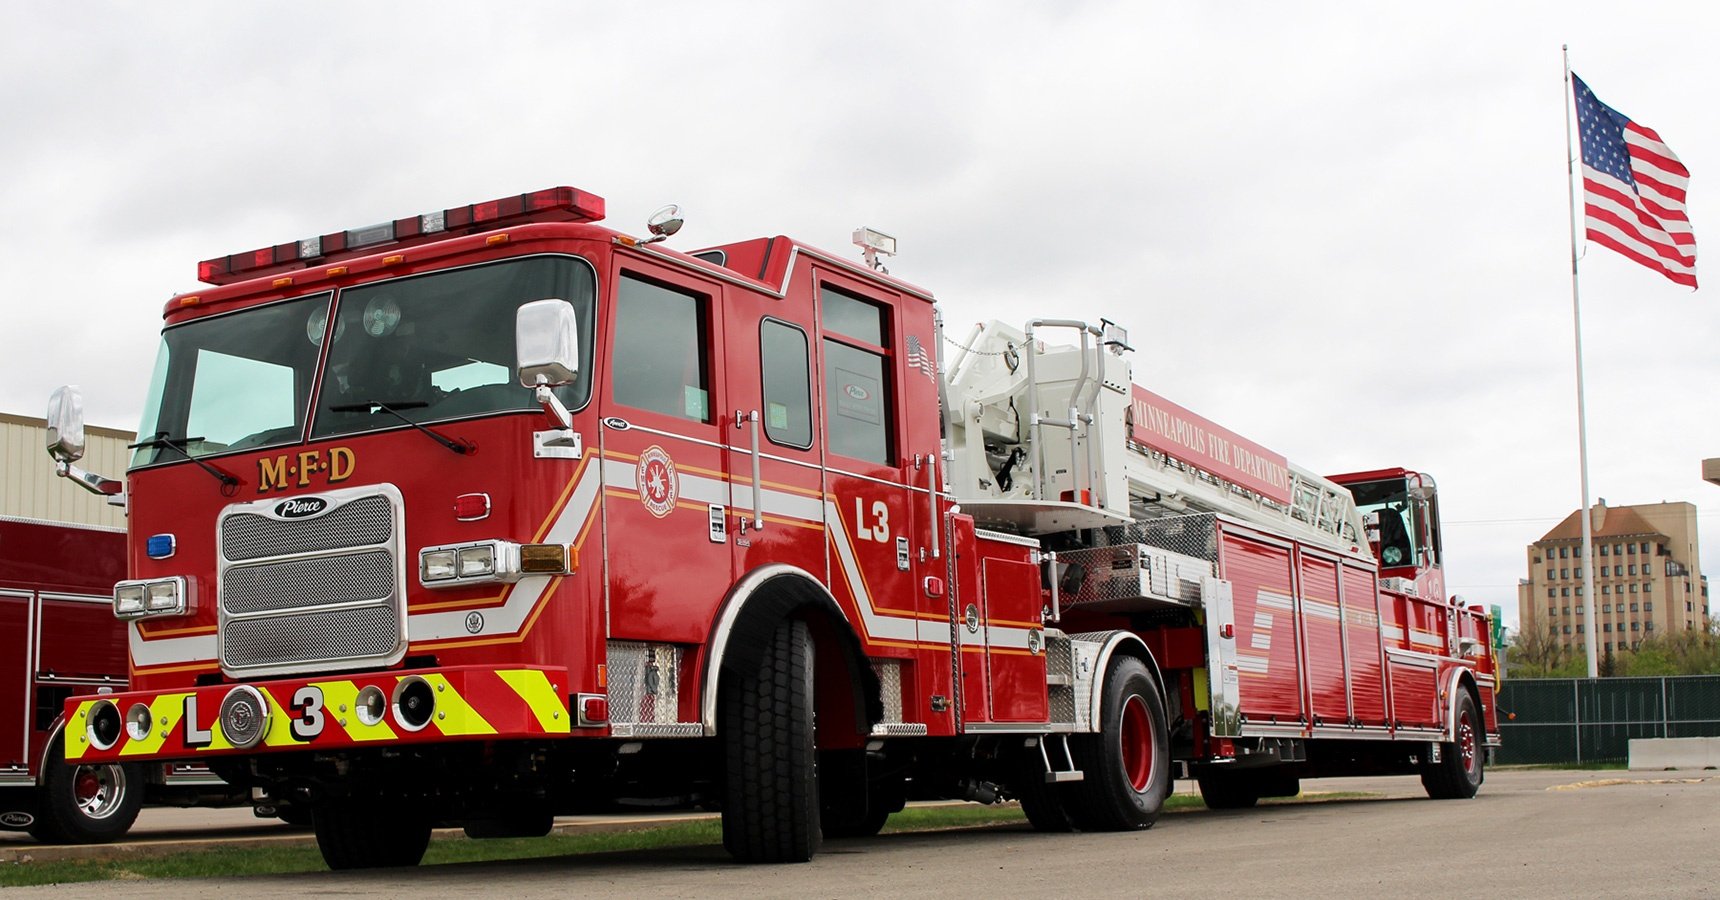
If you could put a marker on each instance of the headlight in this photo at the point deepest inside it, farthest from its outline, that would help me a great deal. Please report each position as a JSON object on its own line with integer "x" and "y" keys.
{"x": 155, "y": 597}
{"x": 436, "y": 565}
{"x": 128, "y": 599}
{"x": 479, "y": 560}
{"x": 162, "y": 595}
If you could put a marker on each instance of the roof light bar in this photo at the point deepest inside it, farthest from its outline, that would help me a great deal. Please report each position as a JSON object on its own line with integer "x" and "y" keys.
{"x": 557, "y": 204}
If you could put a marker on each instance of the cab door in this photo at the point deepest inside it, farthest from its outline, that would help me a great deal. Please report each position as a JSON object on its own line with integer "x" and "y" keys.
{"x": 666, "y": 567}
{"x": 773, "y": 437}
{"x": 878, "y": 398}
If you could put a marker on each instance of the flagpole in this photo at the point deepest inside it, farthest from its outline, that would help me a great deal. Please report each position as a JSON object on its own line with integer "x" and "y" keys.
{"x": 1592, "y": 628}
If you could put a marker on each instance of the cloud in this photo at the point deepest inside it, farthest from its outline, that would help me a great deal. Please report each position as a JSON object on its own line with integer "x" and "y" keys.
{"x": 1339, "y": 231}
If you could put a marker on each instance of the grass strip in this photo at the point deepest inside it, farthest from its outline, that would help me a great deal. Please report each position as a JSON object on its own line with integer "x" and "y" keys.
{"x": 240, "y": 862}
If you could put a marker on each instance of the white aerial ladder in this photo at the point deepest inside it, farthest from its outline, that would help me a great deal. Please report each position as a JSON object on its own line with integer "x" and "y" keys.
{"x": 1039, "y": 443}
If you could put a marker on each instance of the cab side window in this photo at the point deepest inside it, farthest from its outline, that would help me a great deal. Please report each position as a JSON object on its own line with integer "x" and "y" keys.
{"x": 858, "y": 418}
{"x": 784, "y": 369}
{"x": 660, "y": 360}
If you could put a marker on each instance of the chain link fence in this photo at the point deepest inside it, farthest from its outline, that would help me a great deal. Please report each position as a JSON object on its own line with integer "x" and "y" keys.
{"x": 1582, "y": 720}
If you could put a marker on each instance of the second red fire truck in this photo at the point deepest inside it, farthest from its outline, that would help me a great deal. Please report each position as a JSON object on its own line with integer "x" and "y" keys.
{"x": 495, "y": 513}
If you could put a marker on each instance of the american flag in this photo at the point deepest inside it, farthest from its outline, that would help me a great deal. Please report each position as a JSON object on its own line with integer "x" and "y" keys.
{"x": 1633, "y": 190}
{"x": 918, "y": 358}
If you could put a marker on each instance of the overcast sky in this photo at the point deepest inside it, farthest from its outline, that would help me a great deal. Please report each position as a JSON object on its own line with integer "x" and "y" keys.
{"x": 1340, "y": 230}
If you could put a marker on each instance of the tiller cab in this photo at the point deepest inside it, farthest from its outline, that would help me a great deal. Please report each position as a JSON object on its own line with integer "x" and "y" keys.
{"x": 493, "y": 514}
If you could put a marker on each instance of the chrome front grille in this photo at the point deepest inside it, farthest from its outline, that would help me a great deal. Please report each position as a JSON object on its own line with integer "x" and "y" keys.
{"x": 367, "y": 631}
{"x": 253, "y": 535}
{"x": 318, "y": 581}
{"x": 313, "y": 592}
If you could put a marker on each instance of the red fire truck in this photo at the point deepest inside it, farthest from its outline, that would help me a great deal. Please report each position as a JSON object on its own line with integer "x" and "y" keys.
{"x": 495, "y": 513}
{"x": 58, "y": 638}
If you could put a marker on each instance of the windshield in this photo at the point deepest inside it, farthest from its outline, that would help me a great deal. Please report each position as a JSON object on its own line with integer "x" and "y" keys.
{"x": 232, "y": 382}
{"x": 441, "y": 346}
{"x": 431, "y": 347}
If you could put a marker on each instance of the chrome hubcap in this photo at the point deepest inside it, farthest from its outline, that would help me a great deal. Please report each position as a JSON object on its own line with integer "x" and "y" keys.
{"x": 98, "y": 790}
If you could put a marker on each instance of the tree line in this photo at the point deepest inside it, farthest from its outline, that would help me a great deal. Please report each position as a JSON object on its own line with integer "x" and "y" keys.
{"x": 1695, "y": 652}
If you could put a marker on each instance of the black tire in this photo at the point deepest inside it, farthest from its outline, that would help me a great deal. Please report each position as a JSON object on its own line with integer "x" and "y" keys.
{"x": 1458, "y": 774}
{"x": 770, "y": 801}
{"x": 1127, "y": 764}
{"x": 370, "y": 834}
{"x": 1276, "y": 784}
{"x": 855, "y": 802}
{"x": 866, "y": 825}
{"x": 1228, "y": 790}
{"x": 1041, "y": 801}
{"x": 85, "y": 804}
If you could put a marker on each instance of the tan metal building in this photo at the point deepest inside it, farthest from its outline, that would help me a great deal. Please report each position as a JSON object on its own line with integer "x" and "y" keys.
{"x": 1648, "y": 577}
{"x": 29, "y": 489}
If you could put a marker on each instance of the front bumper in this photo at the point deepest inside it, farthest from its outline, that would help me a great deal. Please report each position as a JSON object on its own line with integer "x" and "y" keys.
{"x": 323, "y": 714}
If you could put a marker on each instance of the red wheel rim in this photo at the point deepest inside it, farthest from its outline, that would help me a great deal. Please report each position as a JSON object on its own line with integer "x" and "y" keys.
{"x": 87, "y": 787}
{"x": 1466, "y": 742}
{"x": 1137, "y": 738}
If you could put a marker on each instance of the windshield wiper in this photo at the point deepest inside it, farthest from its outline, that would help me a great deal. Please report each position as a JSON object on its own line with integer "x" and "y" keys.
{"x": 461, "y": 447}
{"x": 229, "y": 484}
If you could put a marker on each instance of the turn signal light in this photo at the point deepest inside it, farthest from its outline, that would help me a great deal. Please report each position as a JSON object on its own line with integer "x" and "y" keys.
{"x": 543, "y": 559}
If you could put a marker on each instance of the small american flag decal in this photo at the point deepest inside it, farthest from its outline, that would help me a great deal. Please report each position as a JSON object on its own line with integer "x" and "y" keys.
{"x": 918, "y": 358}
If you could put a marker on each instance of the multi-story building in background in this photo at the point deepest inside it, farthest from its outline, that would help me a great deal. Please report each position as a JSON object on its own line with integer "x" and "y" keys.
{"x": 1647, "y": 577}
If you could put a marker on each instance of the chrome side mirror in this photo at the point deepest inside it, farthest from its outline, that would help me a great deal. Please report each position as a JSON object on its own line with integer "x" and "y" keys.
{"x": 66, "y": 444}
{"x": 66, "y": 424}
{"x": 546, "y": 341}
{"x": 664, "y": 223}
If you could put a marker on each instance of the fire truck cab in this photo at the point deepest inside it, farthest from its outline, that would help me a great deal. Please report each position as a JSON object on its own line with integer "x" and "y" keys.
{"x": 495, "y": 513}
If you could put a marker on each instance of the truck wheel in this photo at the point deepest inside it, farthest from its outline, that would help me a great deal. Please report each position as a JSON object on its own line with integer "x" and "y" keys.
{"x": 1228, "y": 790}
{"x": 854, "y": 803}
{"x": 85, "y": 804}
{"x": 369, "y": 835}
{"x": 770, "y": 801}
{"x": 1458, "y": 774}
{"x": 866, "y": 825}
{"x": 1127, "y": 764}
{"x": 1277, "y": 784}
{"x": 1041, "y": 801}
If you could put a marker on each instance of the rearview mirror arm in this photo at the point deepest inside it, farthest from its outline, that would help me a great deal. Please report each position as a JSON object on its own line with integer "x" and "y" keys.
{"x": 90, "y": 481}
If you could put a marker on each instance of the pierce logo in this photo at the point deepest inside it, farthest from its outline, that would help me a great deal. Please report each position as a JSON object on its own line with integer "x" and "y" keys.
{"x": 301, "y": 507}
{"x": 17, "y": 820}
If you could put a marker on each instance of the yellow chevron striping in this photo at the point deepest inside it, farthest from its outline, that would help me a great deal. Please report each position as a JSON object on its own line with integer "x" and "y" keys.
{"x": 545, "y": 701}
{"x": 73, "y": 735}
{"x": 340, "y": 705}
{"x": 164, "y": 714}
{"x": 454, "y": 716}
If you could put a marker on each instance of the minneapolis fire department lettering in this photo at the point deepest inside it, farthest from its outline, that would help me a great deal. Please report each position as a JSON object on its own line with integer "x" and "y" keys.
{"x": 296, "y": 470}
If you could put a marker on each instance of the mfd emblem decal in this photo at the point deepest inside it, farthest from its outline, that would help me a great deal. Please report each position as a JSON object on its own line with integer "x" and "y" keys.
{"x": 659, "y": 485}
